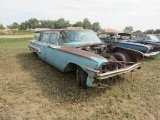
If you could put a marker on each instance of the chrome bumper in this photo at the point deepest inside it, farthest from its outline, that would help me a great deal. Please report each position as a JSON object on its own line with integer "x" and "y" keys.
{"x": 152, "y": 54}
{"x": 117, "y": 72}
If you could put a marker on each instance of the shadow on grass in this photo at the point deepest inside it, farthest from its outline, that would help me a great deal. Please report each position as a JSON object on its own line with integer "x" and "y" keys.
{"x": 57, "y": 85}
{"x": 150, "y": 58}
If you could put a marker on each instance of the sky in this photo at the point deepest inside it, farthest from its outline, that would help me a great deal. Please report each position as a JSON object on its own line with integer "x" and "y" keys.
{"x": 117, "y": 14}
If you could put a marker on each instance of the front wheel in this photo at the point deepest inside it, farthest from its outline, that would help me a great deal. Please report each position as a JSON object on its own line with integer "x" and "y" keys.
{"x": 81, "y": 77}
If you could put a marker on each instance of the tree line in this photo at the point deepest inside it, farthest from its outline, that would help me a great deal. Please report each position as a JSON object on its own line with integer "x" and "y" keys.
{"x": 54, "y": 24}
{"x": 62, "y": 23}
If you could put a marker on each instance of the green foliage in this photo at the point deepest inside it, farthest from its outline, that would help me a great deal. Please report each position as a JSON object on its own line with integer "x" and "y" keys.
{"x": 150, "y": 31}
{"x": 157, "y": 31}
{"x": 62, "y": 23}
{"x": 14, "y": 26}
{"x": 22, "y": 26}
{"x": 1, "y": 26}
{"x": 87, "y": 24}
{"x": 32, "y": 23}
{"x": 54, "y": 24}
{"x": 78, "y": 24}
{"x": 46, "y": 24}
{"x": 128, "y": 29}
{"x": 96, "y": 27}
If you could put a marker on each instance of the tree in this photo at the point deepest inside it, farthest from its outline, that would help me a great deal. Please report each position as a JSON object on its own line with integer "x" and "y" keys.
{"x": 23, "y": 26}
{"x": 14, "y": 26}
{"x": 32, "y": 23}
{"x": 62, "y": 23}
{"x": 128, "y": 29}
{"x": 157, "y": 31}
{"x": 96, "y": 27}
{"x": 150, "y": 31}
{"x": 1, "y": 26}
{"x": 78, "y": 24}
{"x": 87, "y": 24}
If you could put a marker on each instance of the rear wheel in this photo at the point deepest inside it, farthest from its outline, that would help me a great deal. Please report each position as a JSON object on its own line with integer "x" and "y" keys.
{"x": 81, "y": 77}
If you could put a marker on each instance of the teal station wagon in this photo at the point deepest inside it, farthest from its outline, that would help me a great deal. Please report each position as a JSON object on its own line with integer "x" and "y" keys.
{"x": 83, "y": 51}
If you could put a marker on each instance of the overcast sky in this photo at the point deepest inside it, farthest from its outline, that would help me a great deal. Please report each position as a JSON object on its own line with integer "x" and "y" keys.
{"x": 117, "y": 14}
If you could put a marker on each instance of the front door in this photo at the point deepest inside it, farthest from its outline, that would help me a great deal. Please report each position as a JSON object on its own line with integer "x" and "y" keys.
{"x": 43, "y": 43}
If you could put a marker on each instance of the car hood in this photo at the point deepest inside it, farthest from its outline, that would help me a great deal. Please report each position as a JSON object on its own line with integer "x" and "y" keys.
{"x": 137, "y": 44}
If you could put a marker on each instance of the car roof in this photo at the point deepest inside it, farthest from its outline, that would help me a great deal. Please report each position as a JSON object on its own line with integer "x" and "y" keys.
{"x": 58, "y": 30}
{"x": 108, "y": 33}
{"x": 120, "y": 33}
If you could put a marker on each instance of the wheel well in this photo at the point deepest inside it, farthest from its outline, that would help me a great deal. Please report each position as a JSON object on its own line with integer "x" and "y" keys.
{"x": 121, "y": 56}
{"x": 70, "y": 67}
{"x": 35, "y": 53}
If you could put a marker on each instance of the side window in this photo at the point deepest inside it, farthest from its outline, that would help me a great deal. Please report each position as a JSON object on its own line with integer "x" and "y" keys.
{"x": 102, "y": 36}
{"x": 111, "y": 37}
{"x": 36, "y": 36}
{"x": 45, "y": 37}
{"x": 53, "y": 38}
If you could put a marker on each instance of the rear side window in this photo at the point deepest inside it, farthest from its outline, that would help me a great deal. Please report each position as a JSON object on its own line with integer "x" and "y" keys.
{"x": 36, "y": 36}
{"x": 53, "y": 38}
{"x": 45, "y": 37}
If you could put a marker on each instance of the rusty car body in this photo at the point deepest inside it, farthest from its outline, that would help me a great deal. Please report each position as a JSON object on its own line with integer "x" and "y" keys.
{"x": 125, "y": 40}
{"x": 83, "y": 51}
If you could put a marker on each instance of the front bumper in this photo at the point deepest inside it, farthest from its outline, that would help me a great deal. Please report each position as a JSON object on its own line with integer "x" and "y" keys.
{"x": 152, "y": 54}
{"x": 100, "y": 76}
{"x": 117, "y": 72}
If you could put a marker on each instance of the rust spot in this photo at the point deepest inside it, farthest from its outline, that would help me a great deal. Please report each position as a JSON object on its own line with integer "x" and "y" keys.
{"x": 78, "y": 52}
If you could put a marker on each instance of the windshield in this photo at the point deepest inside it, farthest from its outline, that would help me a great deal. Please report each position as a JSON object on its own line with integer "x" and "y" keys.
{"x": 149, "y": 37}
{"x": 78, "y": 36}
{"x": 153, "y": 38}
{"x": 138, "y": 37}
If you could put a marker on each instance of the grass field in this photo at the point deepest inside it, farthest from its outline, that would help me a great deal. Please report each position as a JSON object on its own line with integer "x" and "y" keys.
{"x": 32, "y": 89}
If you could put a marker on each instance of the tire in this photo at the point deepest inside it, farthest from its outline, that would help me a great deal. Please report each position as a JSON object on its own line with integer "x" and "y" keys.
{"x": 81, "y": 77}
{"x": 120, "y": 56}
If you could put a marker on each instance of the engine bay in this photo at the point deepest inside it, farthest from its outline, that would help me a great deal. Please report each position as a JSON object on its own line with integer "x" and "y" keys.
{"x": 117, "y": 57}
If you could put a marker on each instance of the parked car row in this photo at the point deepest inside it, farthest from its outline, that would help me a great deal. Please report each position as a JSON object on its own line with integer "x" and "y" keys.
{"x": 93, "y": 59}
{"x": 149, "y": 48}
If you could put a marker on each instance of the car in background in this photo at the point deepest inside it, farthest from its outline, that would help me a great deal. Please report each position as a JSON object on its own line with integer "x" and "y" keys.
{"x": 158, "y": 36}
{"x": 146, "y": 39}
{"x": 83, "y": 51}
{"x": 124, "y": 40}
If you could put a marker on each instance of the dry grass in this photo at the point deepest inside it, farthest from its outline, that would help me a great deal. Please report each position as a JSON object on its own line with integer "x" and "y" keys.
{"x": 16, "y": 36}
{"x": 32, "y": 89}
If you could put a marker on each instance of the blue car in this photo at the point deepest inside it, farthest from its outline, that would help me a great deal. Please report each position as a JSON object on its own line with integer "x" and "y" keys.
{"x": 83, "y": 51}
{"x": 124, "y": 40}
